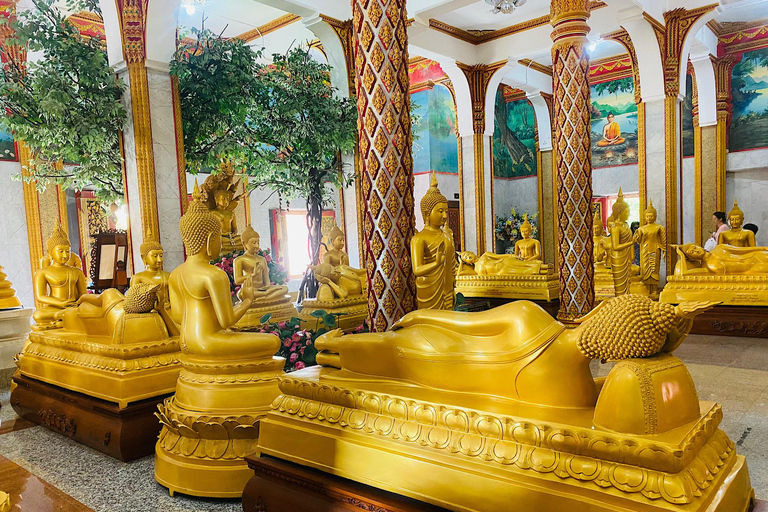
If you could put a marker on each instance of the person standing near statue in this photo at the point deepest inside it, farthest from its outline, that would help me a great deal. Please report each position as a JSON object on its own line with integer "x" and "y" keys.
{"x": 721, "y": 225}
{"x": 433, "y": 253}
{"x": 652, "y": 238}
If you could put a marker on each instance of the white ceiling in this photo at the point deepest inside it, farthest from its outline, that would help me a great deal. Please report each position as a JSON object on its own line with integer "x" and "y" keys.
{"x": 605, "y": 48}
{"x": 756, "y": 10}
{"x": 478, "y": 15}
{"x": 230, "y": 17}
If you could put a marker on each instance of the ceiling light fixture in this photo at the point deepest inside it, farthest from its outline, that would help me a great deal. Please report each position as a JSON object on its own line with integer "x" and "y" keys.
{"x": 504, "y": 6}
{"x": 190, "y": 6}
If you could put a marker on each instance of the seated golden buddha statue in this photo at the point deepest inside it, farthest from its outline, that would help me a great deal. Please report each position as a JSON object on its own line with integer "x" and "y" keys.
{"x": 228, "y": 379}
{"x": 514, "y": 276}
{"x": 267, "y": 297}
{"x": 504, "y": 402}
{"x": 220, "y": 194}
{"x": 343, "y": 289}
{"x": 57, "y": 286}
{"x": 433, "y": 253}
{"x": 737, "y": 236}
{"x": 153, "y": 274}
{"x": 732, "y": 275}
{"x": 618, "y": 256}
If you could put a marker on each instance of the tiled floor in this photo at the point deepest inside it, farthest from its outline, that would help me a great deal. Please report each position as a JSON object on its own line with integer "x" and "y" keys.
{"x": 73, "y": 478}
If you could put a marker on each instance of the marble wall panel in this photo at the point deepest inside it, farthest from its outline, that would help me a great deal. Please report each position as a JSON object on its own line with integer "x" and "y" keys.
{"x": 522, "y": 194}
{"x": 607, "y": 180}
{"x": 750, "y": 187}
{"x": 14, "y": 251}
{"x": 689, "y": 201}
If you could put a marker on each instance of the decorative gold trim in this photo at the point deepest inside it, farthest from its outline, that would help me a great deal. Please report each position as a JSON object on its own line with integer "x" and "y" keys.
{"x": 485, "y": 36}
{"x": 734, "y": 28}
{"x": 540, "y": 197}
{"x": 181, "y": 161}
{"x": 671, "y": 173}
{"x": 723, "y": 67}
{"x": 697, "y": 181}
{"x": 622, "y": 37}
{"x": 32, "y": 210}
{"x": 541, "y": 68}
{"x": 642, "y": 177}
{"x": 479, "y": 190}
{"x": 268, "y": 27}
{"x": 461, "y": 194}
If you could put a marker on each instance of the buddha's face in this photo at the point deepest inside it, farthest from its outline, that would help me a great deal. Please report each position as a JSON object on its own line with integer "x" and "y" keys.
{"x": 154, "y": 259}
{"x": 650, "y": 217}
{"x": 60, "y": 254}
{"x": 695, "y": 252}
{"x": 338, "y": 243}
{"x": 252, "y": 245}
{"x": 610, "y": 118}
{"x": 736, "y": 219}
{"x": 438, "y": 216}
{"x": 526, "y": 231}
{"x": 223, "y": 198}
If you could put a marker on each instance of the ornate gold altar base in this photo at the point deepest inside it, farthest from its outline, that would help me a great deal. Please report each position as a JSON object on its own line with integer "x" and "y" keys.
{"x": 532, "y": 287}
{"x": 744, "y": 290}
{"x": 421, "y": 449}
{"x": 281, "y": 310}
{"x": 605, "y": 289}
{"x": 119, "y": 373}
{"x": 212, "y": 423}
{"x": 352, "y": 312}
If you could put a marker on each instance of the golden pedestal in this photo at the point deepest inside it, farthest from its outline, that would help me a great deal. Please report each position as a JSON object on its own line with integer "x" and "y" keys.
{"x": 532, "y": 287}
{"x": 406, "y": 439}
{"x": 212, "y": 423}
{"x": 352, "y": 312}
{"x": 605, "y": 289}
{"x": 733, "y": 290}
{"x": 281, "y": 310}
{"x": 110, "y": 368}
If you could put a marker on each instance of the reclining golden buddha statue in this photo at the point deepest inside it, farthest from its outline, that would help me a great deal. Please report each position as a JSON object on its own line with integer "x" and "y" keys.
{"x": 732, "y": 275}
{"x": 514, "y": 276}
{"x": 267, "y": 298}
{"x": 343, "y": 289}
{"x": 228, "y": 379}
{"x": 503, "y": 401}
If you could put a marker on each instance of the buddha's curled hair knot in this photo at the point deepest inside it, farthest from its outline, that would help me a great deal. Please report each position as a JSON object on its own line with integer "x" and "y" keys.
{"x": 628, "y": 326}
{"x": 140, "y": 298}
{"x": 197, "y": 224}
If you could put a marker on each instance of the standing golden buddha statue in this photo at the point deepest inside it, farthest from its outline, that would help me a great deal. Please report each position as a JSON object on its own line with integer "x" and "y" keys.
{"x": 433, "y": 253}
{"x": 737, "y": 236}
{"x": 622, "y": 249}
{"x": 57, "y": 286}
{"x": 652, "y": 238}
{"x": 527, "y": 249}
{"x": 152, "y": 256}
{"x": 228, "y": 379}
{"x": 267, "y": 297}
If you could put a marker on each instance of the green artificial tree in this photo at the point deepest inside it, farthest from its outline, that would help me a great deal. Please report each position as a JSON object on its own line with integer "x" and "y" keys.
{"x": 66, "y": 106}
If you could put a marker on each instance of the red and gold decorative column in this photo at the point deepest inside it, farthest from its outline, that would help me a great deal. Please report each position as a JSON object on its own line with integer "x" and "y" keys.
{"x": 384, "y": 125}
{"x": 573, "y": 161}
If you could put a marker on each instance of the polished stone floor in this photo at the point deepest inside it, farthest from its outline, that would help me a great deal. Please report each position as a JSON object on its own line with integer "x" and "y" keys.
{"x": 47, "y": 472}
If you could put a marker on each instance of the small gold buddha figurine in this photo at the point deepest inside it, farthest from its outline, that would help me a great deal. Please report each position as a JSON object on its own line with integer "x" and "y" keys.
{"x": 505, "y": 399}
{"x": 57, "y": 286}
{"x": 153, "y": 274}
{"x": 490, "y": 264}
{"x": 8, "y": 298}
{"x": 652, "y": 238}
{"x": 528, "y": 248}
{"x": 622, "y": 247}
{"x": 220, "y": 194}
{"x": 433, "y": 253}
{"x": 267, "y": 297}
{"x": 737, "y": 236}
{"x": 228, "y": 379}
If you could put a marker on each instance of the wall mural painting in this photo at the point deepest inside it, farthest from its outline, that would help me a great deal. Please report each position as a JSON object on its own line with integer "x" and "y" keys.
{"x": 435, "y": 144}
{"x": 749, "y": 89}
{"x": 514, "y": 135}
{"x": 687, "y": 110}
{"x": 7, "y": 147}
{"x": 613, "y": 123}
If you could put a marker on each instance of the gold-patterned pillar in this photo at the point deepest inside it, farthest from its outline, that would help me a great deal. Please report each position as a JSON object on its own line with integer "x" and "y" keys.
{"x": 723, "y": 66}
{"x": 573, "y": 162}
{"x": 384, "y": 126}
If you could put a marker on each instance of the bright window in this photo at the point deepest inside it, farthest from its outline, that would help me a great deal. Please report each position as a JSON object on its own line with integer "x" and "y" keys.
{"x": 297, "y": 236}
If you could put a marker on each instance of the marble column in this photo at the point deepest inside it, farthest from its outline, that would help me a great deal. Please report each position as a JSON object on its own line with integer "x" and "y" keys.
{"x": 154, "y": 187}
{"x": 384, "y": 125}
{"x": 572, "y": 159}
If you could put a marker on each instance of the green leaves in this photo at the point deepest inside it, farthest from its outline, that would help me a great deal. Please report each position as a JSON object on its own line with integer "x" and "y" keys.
{"x": 65, "y": 107}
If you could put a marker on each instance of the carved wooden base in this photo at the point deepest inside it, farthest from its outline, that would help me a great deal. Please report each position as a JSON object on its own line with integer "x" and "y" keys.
{"x": 280, "y": 486}
{"x": 483, "y": 303}
{"x": 125, "y": 434}
{"x": 747, "y": 321}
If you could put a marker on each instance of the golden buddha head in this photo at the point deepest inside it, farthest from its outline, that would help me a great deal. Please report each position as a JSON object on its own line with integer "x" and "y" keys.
{"x": 251, "y": 239}
{"x": 598, "y": 229}
{"x": 693, "y": 251}
{"x": 58, "y": 246}
{"x": 336, "y": 237}
{"x": 151, "y": 252}
{"x": 222, "y": 198}
{"x": 434, "y": 205}
{"x": 650, "y": 213}
{"x": 200, "y": 229}
{"x": 526, "y": 228}
{"x": 735, "y": 216}
{"x": 620, "y": 210}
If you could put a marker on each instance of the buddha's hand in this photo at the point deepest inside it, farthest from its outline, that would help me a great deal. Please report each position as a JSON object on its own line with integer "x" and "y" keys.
{"x": 247, "y": 291}
{"x": 329, "y": 346}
